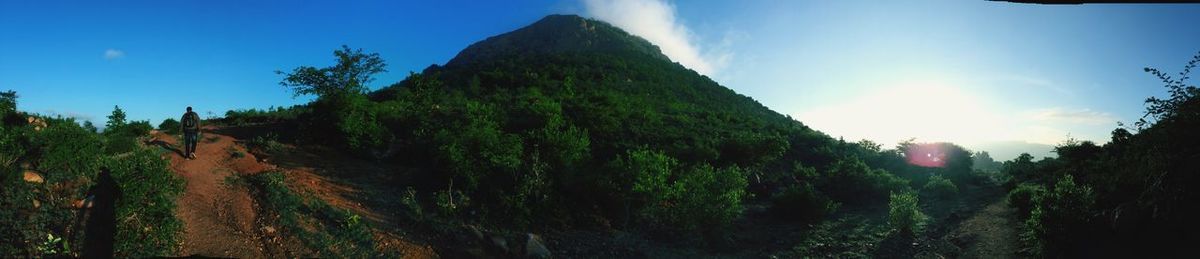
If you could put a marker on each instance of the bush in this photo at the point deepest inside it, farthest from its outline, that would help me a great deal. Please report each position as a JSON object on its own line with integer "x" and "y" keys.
{"x": 68, "y": 152}
{"x": 139, "y": 128}
{"x": 357, "y": 124}
{"x": 145, "y": 207}
{"x": 1024, "y": 198}
{"x": 121, "y": 137}
{"x": 802, "y": 202}
{"x": 903, "y": 214}
{"x": 851, "y": 181}
{"x": 1061, "y": 214}
{"x": 267, "y": 143}
{"x": 701, "y": 197}
{"x": 169, "y": 126}
{"x": 451, "y": 202}
{"x": 939, "y": 187}
{"x": 709, "y": 198}
{"x": 20, "y": 223}
{"x": 269, "y": 115}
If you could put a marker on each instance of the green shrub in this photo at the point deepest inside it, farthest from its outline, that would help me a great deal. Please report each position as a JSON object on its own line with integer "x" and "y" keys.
{"x": 122, "y": 137}
{"x": 234, "y": 153}
{"x": 851, "y": 181}
{"x": 451, "y": 202}
{"x": 356, "y": 122}
{"x": 269, "y": 115}
{"x": 410, "y": 201}
{"x": 939, "y": 187}
{"x": 20, "y": 223}
{"x": 700, "y": 197}
{"x": 904, "y": 215}
{"x": 802, "y": 202}
{"x": 68, "y": 152}
{"x": 1024, "y": 198}
{"x": 139, "y": 128}
{"x": 1061, "y": 214}
{"x": 145, "y": 207}
{"x": 267, "y": 143}
{"x": 170, "y": 126}
{"x": 71, "y": 159}
{"x": 709, "y": 198}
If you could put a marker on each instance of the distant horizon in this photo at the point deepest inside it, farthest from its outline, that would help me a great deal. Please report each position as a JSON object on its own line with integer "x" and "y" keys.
{"x": 968, "y": 73}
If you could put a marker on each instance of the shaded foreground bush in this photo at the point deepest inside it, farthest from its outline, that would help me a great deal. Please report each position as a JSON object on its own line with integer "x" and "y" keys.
{"x": 145, "y": 209}
{"x": 802, "y": 202}
{"x": 903, "y": 214}
{"x": 1024, "y": 198}
{"x": 49, "y": 167}
{"x": 1134, "y": 196}
{"x": 939, "y": 187}
{"x": 1062, "y": 212}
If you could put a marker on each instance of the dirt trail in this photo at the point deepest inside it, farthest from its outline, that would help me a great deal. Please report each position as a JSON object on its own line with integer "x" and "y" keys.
{"x": 992, "y": 232}
{"x": 218, "y": 218}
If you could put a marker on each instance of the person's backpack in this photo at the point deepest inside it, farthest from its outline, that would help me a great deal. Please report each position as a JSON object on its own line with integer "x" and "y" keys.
{"x": 189, "y": 121}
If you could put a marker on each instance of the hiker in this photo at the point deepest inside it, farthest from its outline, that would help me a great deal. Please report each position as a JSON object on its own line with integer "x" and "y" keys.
{"x": 191, "y": 132}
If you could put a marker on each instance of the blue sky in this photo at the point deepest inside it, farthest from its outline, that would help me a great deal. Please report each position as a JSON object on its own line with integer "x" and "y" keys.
{"x": 963, "y": 71}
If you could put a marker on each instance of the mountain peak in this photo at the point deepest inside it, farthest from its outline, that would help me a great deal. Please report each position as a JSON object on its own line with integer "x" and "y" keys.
{"x": 558, "y": 33}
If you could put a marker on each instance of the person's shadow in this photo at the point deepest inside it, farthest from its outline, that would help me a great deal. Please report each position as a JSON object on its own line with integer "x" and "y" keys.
{"x": 102, "y": 224}
{"x": 166, "y": 146}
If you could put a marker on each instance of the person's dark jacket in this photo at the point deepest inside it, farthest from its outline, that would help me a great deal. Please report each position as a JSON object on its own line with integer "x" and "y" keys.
{"x": 194, "y": 125}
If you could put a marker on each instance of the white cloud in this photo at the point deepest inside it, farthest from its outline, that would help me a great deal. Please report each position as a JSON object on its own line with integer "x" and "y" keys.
{"x": 1078, "y": 116}
{"x": 111, "y": 54}
{"x": 655, "y": 21}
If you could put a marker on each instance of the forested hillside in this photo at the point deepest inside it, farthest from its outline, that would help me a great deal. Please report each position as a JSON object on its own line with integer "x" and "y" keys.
{"x": 571, "y": 123}
{"x": 575, "y": 131}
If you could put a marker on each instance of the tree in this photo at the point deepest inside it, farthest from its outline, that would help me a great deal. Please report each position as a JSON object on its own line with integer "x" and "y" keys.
{"x": 1181, "y": 95}
{"x": 8, "y": 102}
{"x": 1021, "y": 169}
{"x": 116, "y": 120}
{"x": 353, "y": 71}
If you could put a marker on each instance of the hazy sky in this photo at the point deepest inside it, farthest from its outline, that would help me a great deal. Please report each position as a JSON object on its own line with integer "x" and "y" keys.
{"x": 962, "y": 71}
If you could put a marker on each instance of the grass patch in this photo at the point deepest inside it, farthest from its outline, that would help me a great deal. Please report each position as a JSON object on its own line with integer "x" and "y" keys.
{"x": 850, "y": 237}
{"x": 267, "y": 143}
{"x": 330, "y": 231}
{"x": 234, "y": 153}
{"x": 234, "y": 180}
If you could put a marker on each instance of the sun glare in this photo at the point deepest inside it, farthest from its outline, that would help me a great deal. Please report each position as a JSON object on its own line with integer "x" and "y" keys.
{"x": 927, "y": 110}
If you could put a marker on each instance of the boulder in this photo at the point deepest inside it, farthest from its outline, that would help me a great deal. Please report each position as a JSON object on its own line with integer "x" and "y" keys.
{"x": 535, "y": 248}
{"x": 476, "y": 232}
{"x": 500, "y": 243}
{"x": 34, "y": 177}
{"x": 268, "y": 230}
{"x": 85, "y": 203}
{"x": 37, "y": 123}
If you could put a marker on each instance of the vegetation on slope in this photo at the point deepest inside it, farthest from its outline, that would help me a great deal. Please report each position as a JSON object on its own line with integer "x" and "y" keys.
{"x": 1131, "y": 197}
{"x": 598, "y": 136}
{"x": 53, "y": 167}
